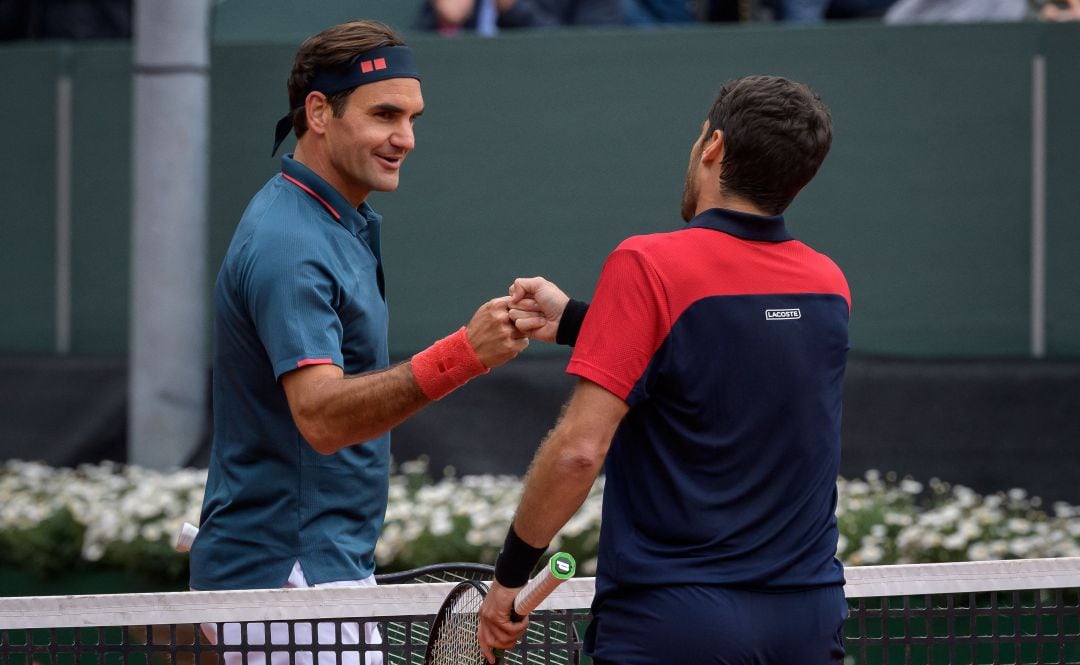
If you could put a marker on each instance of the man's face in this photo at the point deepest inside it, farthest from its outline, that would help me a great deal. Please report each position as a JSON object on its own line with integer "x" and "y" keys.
{"x": 368, "y": 143}
{"x": 692, "y": 188}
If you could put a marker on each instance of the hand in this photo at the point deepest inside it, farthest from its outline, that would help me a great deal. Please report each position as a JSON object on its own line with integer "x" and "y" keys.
{"x": 536, "y": 306}
{"x": 503, "y": 6}
{"x": 494, "y": 629}
{"x": 452, "y": 12}
{"x": 492, "y": 334}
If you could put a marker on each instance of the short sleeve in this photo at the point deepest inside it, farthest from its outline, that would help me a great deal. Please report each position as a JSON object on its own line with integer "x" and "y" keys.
{"x": 292, "y": 303}
{"x": 625, "y": 325}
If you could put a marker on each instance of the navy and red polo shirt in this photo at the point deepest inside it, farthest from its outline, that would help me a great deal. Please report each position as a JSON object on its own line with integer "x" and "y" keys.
{"x": 301, "y": 284}
{"x": 728, "y": 341}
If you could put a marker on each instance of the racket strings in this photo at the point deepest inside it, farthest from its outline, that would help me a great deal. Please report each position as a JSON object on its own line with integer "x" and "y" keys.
{"x": 456, "y": 642}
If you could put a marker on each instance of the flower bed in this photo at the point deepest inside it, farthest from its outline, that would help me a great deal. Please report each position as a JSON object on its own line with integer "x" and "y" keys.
{"x": 123, "y": 518}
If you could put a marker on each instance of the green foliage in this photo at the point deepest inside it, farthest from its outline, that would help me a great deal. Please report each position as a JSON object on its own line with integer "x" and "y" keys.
{"x": 149, "y": 559}
{"x": 51, "y": 546}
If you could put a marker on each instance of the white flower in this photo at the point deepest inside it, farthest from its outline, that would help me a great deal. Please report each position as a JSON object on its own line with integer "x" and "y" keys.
{"x": 955, "y": 541}
{"x": 116, "y": 503}
{"x": 910, "y": 486}
{"x": 930, "y": 539}
{"x": 1017, "y": 525}
{"x": 1019, "y": 547}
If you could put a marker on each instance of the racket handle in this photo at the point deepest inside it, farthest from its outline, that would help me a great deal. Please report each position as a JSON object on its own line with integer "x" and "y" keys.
{"x": 561, "y": 567}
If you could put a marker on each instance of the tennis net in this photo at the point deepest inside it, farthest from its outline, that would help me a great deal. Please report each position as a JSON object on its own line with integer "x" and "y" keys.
{"x": 1022, "y": 611}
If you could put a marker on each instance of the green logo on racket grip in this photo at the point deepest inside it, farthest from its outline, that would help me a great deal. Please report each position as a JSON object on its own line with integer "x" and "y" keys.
{"x": 562, "y": 565}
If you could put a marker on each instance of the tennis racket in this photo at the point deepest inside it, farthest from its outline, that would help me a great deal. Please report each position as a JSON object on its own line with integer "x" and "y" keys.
{"x": 452, "y": 640}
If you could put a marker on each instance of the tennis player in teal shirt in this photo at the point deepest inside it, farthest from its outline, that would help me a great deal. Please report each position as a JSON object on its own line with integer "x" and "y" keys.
{"x": 304, "y": 395}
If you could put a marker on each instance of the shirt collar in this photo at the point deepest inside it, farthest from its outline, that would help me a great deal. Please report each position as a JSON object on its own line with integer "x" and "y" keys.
{"x": 743, "y": 225}
{"x": 356, "y": 220}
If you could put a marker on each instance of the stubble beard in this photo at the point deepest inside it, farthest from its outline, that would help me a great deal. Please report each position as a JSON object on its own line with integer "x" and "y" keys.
{"x": 689, "y": 195}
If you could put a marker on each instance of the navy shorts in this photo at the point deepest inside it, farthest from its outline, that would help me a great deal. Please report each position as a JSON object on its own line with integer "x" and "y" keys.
{"x": 699, "y": 625}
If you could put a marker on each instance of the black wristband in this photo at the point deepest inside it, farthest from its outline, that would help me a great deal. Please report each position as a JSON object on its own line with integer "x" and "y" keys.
{"x": 516, "y": 561}
{"x": 570, "y": 322}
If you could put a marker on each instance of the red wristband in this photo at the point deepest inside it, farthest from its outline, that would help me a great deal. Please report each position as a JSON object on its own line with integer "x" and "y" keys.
{"x": 446, "y": 365}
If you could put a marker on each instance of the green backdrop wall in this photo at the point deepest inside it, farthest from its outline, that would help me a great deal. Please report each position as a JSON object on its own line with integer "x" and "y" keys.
{"x": 540, "y": 151}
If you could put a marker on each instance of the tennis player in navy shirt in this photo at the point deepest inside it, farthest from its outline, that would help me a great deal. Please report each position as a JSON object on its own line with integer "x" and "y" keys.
{"x": 304, "y": 395}
{"x": 710, "y": 367}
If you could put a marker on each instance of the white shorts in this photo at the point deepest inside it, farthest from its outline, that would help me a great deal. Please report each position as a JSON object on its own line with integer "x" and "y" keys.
{"x": 279, "y": 634}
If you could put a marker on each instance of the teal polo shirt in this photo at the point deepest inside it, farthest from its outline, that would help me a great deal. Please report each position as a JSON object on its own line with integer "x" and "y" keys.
{"x": 301, "y": 284}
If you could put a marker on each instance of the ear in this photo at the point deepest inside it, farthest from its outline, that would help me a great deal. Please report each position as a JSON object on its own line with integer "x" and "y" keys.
{"x": 318, "y": 110}
{"x": 713, "y": 150}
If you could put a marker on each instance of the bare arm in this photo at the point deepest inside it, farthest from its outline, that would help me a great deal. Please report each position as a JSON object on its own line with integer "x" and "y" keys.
{"x": 567, "y": 463}
{"x": 333, "y": 411}
{"x": 560, "y": 477}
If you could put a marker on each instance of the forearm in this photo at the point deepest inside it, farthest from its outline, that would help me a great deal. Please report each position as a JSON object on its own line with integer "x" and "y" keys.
{"x": 349, "y": 409}
{"x": 333, "y": 410}
{"x": 567, "y": 463}
{"x": 557, "y": 484}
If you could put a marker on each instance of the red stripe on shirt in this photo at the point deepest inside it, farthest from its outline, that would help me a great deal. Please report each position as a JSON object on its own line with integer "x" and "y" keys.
{"x": 309, "y": 191}
{"x": 315, "y": 361}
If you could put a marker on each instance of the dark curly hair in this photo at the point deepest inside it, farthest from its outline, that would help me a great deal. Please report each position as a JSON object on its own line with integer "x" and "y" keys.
{"x": 776, "y": 135}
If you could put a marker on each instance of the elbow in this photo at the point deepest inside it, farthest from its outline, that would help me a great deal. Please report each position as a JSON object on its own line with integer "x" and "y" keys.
{"x": 581, "y": 450}
{"x": 580, "y": 462}
{"x": 323, "y": 446}
{"x": 326, "y": 439}
{"x": 314, "y": 431}
{"x": 319, "y": 439}
{"x": 579, "y": 468}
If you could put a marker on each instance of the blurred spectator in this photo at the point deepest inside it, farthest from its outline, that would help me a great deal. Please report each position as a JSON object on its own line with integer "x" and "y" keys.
{"x": 65, "y": 19}
{"x": 800, "y": 11}
{"x": 650, "y": 12}
{"x": 725, "y": 10}
{"x": 793, "y": 11}
{"x": 956, "y": 11}
{"x": 1066, "y": 10}
{"x": 855, "y": 9}
{"x": 488, "y": 16}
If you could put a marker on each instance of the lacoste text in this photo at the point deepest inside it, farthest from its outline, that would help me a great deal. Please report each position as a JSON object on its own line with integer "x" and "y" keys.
{"x": 782, "y": 314}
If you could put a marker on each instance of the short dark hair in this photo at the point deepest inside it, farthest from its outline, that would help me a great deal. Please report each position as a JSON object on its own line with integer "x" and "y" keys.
{"x": 776, "y": 135}
{"x": 332, "y": 48}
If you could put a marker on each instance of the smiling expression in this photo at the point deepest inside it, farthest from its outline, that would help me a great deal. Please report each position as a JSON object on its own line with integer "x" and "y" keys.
{"x": 367, "y": 145}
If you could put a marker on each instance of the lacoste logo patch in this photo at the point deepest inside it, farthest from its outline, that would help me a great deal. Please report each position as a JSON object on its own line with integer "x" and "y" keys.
{"x": 782, "y": 314}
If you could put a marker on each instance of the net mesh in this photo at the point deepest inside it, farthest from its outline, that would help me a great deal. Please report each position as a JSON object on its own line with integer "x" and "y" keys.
{"x": 1008, "y": 612}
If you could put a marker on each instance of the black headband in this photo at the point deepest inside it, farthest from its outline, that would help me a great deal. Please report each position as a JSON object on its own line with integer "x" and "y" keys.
{"x": 388, "y": 62}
